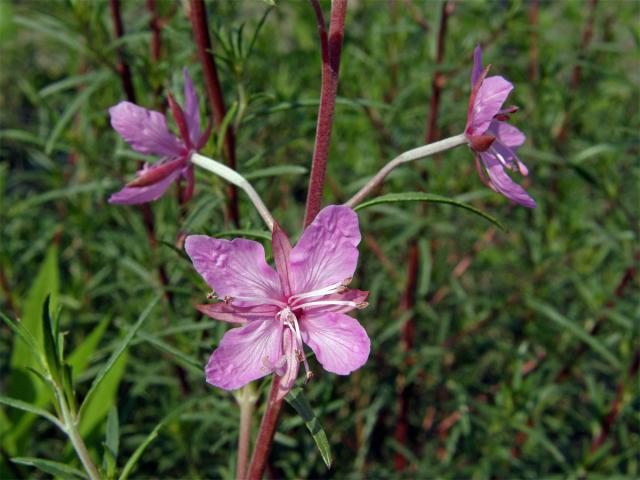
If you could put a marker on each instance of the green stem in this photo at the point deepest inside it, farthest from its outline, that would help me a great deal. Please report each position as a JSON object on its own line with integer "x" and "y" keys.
{"x": 235, "y": 178}
{"x": 71, "y": 428}
{"x": 408, "y": 156}
{"x": 246, "y": 400}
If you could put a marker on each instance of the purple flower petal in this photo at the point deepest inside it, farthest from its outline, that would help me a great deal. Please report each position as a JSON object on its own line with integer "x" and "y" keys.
{"x": 477, "y": 65}
{"x": 145, "y": 130}
{"x": 191, "y": 108}
{"x": 244, "y": 353}
{"x": 234, "y": 314}
{"x": 338, "y": 340}
{"x": 235, "y": 268}
{"x": 487, "y": 103}
{"x": 135, "y": 195}
{"x": 327, "y": 252}
{"x": 281, "y": 250}
{"x": 503, "y": 183}
{"x": 508, "y": 134}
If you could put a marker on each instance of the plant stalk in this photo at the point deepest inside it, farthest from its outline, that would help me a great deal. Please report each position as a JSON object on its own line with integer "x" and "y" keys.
{"x": 406, "y": 157}
{"x": 71, "y": 429}
{"x": 236, "y": 179}
{"x": 267, "y": 431}
{"x": 331, "y": 50}
{"x": 214, "y": 92}
{"x": 246, "y": 401}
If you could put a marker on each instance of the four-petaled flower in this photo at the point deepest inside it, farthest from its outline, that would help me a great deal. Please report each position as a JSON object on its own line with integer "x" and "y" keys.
{"x": 494, "y": 141}
{"x": 147, "y": 132}
{"x": 304, "y": 300}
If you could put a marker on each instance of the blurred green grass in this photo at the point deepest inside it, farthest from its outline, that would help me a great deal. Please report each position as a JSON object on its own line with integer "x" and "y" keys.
{"x": 517, "y": 359}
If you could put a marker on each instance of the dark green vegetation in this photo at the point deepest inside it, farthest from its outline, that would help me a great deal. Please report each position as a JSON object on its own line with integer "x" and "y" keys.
{"x": 519, "y": 360}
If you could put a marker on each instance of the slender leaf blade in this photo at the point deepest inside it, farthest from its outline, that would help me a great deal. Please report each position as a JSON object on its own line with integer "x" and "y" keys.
{"x": 427, "y": 197}
{"x": 297, "y": 400}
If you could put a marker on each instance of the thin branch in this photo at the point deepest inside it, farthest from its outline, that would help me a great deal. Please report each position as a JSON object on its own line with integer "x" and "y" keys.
{"x": 202, "y": 38}
{"x": 329, "y": 90}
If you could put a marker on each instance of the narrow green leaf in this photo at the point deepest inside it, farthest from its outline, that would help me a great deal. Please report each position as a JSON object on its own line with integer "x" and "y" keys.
{"x": 56, "y": 469}
{"x": 96, "y": 407}
{"x": 24, "y": 334}
{"x": 552, "y": 314}
{"x": 112, "y": 442}
{"x": 50, "y": 348}
{"x": 68, "y": 114}
{"x": 119, "y": 350}
{"x": 79, "y": 359}
{"x": 25, "y": 356}
{"x": 427, "y": 197}
{"x": 222, "y": 131}
{"x": 27, "y": 407}
{"x": 133, "y": 460}
{"x": 244, "y": 233}
{"x": 297, "y": 400}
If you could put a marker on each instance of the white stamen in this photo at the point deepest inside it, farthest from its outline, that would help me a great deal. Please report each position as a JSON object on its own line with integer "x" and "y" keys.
{"x": 335, "y": 288}
{"x": 348, "y": 303}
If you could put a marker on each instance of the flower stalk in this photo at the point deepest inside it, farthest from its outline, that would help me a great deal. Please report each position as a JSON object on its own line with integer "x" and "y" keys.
{"x": 214, "y": 91}
{"x": 406, "y": 157}
{"x": 246, "y": 399}
{"x": 236, "y": 179}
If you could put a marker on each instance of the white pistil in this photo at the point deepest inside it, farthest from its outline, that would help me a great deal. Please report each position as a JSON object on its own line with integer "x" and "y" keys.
{"x": 291, "y": 322}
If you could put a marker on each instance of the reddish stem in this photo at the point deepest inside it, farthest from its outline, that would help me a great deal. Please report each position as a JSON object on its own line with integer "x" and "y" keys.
{"x": 611, "y": 417}
{"x": 408, "y": 300}
{"x": 533, "y": 49}
{"x": 438, "y": 78}
{"x": 587, "y": 35}
{"x": 123, "y": 66}
{"x": 155, "y": 26}
{"x": 331, "y": 50}
{"x": 202, "y": 38}
{"x": 266, "y": 432}
{"x": 406, "y": 337}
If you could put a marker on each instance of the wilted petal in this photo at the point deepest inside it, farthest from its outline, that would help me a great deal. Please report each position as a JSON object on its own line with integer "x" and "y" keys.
{"x": 503, "y": 184}
{"x": 327, "y": 252}
{"x": 191, "y": 108}
{"x": 488, "y": 101}
{"x": 244, "y": 353}
{"x": 235, "y": 268}
{"x": 477, "y": 65}
{"x": 235, "y": 314}
{"x": 135, "y": 195}
{"x": 338, "y": 340}
{"x": 145, "y": 130}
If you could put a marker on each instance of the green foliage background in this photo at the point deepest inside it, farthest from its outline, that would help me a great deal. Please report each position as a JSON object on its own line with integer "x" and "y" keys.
{"x": 516, "y": 362}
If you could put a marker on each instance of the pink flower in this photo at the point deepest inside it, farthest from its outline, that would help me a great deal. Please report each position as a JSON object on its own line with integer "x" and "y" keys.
{"x": 147, "y": 132}
{"x": 304, "y": 300}
{"x": 494, "y": 141}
